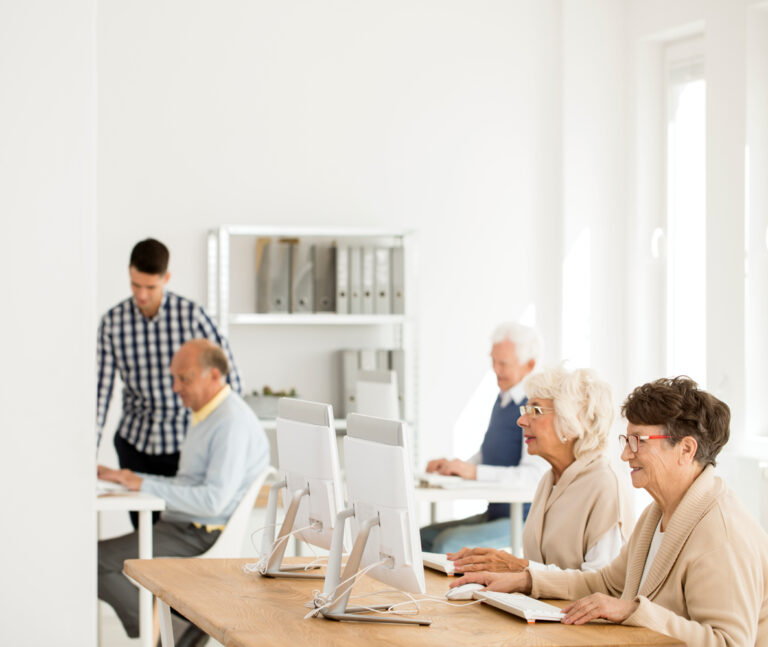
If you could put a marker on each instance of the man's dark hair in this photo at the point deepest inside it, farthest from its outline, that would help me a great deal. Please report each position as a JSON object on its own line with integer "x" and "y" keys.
{"x": 685, "y": 410}
{"x": 150, "y": 256}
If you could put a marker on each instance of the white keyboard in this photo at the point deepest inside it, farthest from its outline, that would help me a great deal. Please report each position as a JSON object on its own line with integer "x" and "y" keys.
{"x": 521, "y": 605}
{"x": 447, "y": 481}
{"x": 437, "y": 561}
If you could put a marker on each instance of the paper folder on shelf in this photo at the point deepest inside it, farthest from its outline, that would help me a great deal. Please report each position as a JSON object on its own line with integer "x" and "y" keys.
{"x": 367, "y": 360}
{"x": 342, "y": 279}
{"x": 397, "y": 261}
{"x": 397, "y": 364}
{"x": 302, "y": 278}
{"x": 324, "y": 263}
{"x": 350, "y": 362}
{"x": 382, "y": 282}
{"x": 382, "y": 359}
{"x": 376, "y": 394}
{"x": 355, "y": 280}
{"x": 273, "y": 271}
{"x": 368, "y": 280}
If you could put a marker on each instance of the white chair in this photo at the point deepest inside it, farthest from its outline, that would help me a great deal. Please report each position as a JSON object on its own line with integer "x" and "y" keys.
{"x": 230, "y": 541}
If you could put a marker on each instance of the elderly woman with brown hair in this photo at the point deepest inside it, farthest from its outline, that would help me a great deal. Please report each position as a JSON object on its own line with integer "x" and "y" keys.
{"x": 696, "y": 566}
{"x": 580, "y": 515}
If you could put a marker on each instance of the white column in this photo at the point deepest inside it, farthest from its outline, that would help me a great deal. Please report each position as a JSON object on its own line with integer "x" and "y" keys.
{"x": 48, "y": 322}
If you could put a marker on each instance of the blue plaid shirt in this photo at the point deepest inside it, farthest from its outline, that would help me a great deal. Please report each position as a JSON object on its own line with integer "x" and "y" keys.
{"x": 154, "y": 419}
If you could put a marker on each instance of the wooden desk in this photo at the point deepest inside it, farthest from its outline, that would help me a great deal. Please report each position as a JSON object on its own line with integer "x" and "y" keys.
{"x": 144, "y": 504}
{"x": 493, "y": 494}
{"x": 246, "y": 610}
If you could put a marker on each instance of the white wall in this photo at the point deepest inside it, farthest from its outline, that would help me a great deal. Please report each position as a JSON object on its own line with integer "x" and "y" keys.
{"x": 47, "y": 166}
{"x": 594, "y": 186}
{"x": 441, "y": 116}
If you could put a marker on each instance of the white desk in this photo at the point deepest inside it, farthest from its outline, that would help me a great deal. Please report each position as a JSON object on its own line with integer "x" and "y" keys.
{"x": 144, "y": 504}
{"x": 493, "y": 494}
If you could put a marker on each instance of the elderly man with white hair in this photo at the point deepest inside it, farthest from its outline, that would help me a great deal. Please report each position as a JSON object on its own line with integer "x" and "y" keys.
{"x": 502, "y": 456}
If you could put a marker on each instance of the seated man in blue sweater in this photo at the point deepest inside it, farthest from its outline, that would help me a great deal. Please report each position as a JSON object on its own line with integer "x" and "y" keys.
{"x": 222, "y": 454}
{"x": 503, "y": 457}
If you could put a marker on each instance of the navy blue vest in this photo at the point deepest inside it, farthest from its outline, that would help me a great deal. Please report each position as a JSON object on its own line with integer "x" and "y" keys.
{"x": 503, "y": 445}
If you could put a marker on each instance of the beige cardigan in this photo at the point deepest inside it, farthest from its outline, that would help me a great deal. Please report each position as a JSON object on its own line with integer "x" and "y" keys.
{"x": 707, "y": 584}
{"x": 568, "y": 519}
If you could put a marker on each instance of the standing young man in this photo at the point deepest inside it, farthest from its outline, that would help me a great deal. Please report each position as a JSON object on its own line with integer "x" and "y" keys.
{"x": 137, "y": 339}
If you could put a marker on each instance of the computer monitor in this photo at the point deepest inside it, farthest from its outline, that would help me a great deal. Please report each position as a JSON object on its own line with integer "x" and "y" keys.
{"x": 376, "y": 394}
{"x": 308, "y": 461}
{"x": 380, "y": 492}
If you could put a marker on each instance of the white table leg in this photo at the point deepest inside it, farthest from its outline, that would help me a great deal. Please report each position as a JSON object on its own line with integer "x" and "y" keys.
{"x": 516, "y": 528}
{"x": 145, "y": 597}
{"x": 166, "y": 628}
{"x": 433, "y": 512}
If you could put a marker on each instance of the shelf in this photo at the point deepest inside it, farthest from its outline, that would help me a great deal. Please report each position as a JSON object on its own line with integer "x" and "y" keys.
{"x": 318, "y": 232}
{"x": 321, "y": 318}
{"x": 232, "y": 286}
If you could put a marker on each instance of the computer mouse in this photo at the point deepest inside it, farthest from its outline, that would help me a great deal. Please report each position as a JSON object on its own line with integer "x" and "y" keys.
{"x": 463, "y": 592}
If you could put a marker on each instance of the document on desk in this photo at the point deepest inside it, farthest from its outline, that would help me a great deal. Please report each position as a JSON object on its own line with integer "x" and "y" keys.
{"x": 108, "y": 487}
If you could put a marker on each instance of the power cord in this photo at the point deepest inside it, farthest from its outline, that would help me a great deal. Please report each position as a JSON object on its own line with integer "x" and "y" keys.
{"x": 321, "y": 600}
{"x": 263, "y": 563}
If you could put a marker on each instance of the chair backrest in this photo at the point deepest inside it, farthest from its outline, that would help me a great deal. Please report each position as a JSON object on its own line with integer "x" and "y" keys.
{"x": 230, "y": 541}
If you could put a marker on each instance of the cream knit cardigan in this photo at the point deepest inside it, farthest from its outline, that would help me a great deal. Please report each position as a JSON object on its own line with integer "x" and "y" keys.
{"x": 707, "y": 585}
{"x": 570, "y": 517}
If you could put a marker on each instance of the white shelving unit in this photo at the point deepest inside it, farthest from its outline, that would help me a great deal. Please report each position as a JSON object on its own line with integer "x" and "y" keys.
{"x": 232, "y": 301}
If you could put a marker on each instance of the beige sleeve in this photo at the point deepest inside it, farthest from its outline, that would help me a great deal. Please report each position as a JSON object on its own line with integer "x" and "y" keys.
{"x": 572, "y": 585}
{"x": 723, "y": 600}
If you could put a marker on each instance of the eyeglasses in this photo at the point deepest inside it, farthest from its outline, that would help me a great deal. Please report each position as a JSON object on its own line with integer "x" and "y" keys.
{"x": 534, "y": 410}
{"x": 633, "y": 441}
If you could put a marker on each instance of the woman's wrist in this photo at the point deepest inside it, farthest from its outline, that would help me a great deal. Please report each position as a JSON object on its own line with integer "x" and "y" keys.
{"x": 527, "y": 582}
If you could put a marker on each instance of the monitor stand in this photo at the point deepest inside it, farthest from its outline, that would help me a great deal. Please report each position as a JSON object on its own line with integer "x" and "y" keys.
{"x": 275, "y": 548}
{"x": 338, "y": 587}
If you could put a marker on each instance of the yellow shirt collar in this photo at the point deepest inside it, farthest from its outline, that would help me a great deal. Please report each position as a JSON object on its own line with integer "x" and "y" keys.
{"x": 207, "y": 409}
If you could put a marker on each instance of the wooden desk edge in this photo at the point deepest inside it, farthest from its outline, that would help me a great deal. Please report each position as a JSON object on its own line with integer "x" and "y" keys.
{"x": 132, "y": 568}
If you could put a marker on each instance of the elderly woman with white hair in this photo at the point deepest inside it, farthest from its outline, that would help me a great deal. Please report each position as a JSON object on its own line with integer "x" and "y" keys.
{"x": 581, "y": 515}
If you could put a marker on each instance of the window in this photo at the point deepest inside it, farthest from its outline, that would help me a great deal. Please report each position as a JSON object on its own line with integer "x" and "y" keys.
{"x": 686, "y": 210}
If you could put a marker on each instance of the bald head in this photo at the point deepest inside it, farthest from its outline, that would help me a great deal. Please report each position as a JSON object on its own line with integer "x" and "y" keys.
{"x": 198, "y": 369}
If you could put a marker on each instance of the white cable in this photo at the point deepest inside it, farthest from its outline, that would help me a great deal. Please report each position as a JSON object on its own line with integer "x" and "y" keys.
{"x": 412, "y": 600}
{"x": 262, "y": 529}
{"x": 261, "y": 565}
{"x": 321, "y": 601}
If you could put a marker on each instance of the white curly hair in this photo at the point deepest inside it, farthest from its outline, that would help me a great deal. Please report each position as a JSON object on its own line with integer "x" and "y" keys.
{"x": 583, "y": 406}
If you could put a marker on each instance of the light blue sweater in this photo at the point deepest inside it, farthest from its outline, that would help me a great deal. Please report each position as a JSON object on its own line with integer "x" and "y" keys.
{"x": 220, "y": 458}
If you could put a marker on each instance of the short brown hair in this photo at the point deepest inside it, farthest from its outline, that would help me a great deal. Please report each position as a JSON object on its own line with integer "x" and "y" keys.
{"x": 150, "y": 256}
{"x": 685, "y": 410}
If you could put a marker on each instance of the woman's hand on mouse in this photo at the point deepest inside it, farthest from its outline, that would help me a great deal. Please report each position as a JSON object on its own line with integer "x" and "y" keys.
{"x": 504, "y": 582}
